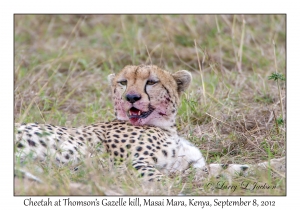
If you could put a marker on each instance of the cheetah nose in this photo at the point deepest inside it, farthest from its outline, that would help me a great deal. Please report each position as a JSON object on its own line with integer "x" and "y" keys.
{"x": 133, "y": 98}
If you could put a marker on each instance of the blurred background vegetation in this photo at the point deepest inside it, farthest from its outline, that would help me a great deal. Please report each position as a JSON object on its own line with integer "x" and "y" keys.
{"x": 234, "y": 111}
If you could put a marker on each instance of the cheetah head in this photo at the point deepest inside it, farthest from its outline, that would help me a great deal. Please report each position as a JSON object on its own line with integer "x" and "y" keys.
{"x": 148, "y": 95}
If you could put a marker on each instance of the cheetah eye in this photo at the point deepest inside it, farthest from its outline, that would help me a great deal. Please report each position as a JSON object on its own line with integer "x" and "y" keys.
{"x": 124, "y": 82}
{"x": 151, "y": 82}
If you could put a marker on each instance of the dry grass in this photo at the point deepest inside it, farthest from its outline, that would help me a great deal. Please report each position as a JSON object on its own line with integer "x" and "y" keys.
{"x": 232, "y": 111}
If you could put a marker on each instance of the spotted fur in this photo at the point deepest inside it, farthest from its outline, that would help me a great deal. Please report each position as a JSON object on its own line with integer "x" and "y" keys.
{"x": 146, "y": 99}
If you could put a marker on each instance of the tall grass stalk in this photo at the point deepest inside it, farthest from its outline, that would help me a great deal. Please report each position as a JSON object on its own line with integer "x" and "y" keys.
{"x": 277, "y": 81}
{"x": 201, "y": 74}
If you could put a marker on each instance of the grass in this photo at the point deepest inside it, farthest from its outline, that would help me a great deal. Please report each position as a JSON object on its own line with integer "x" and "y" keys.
{"x": 232, "y": 111}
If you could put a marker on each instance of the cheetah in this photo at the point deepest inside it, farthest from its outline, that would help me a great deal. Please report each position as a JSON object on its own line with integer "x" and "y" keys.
{"x": 146, "y": 100}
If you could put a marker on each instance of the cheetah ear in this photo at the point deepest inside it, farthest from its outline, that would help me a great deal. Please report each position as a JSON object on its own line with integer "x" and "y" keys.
{"x": 111, "y": 78}
{"x": 183, "y": 79}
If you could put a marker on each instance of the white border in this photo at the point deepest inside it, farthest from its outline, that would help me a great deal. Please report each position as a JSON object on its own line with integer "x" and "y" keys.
{"x": 153, "y": 6}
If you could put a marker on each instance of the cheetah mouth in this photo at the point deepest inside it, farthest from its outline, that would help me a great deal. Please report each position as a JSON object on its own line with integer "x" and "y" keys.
{"x": 134, "y": 114}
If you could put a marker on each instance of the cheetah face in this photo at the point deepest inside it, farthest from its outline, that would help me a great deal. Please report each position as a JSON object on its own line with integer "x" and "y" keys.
{"x": 148, "y": 95}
